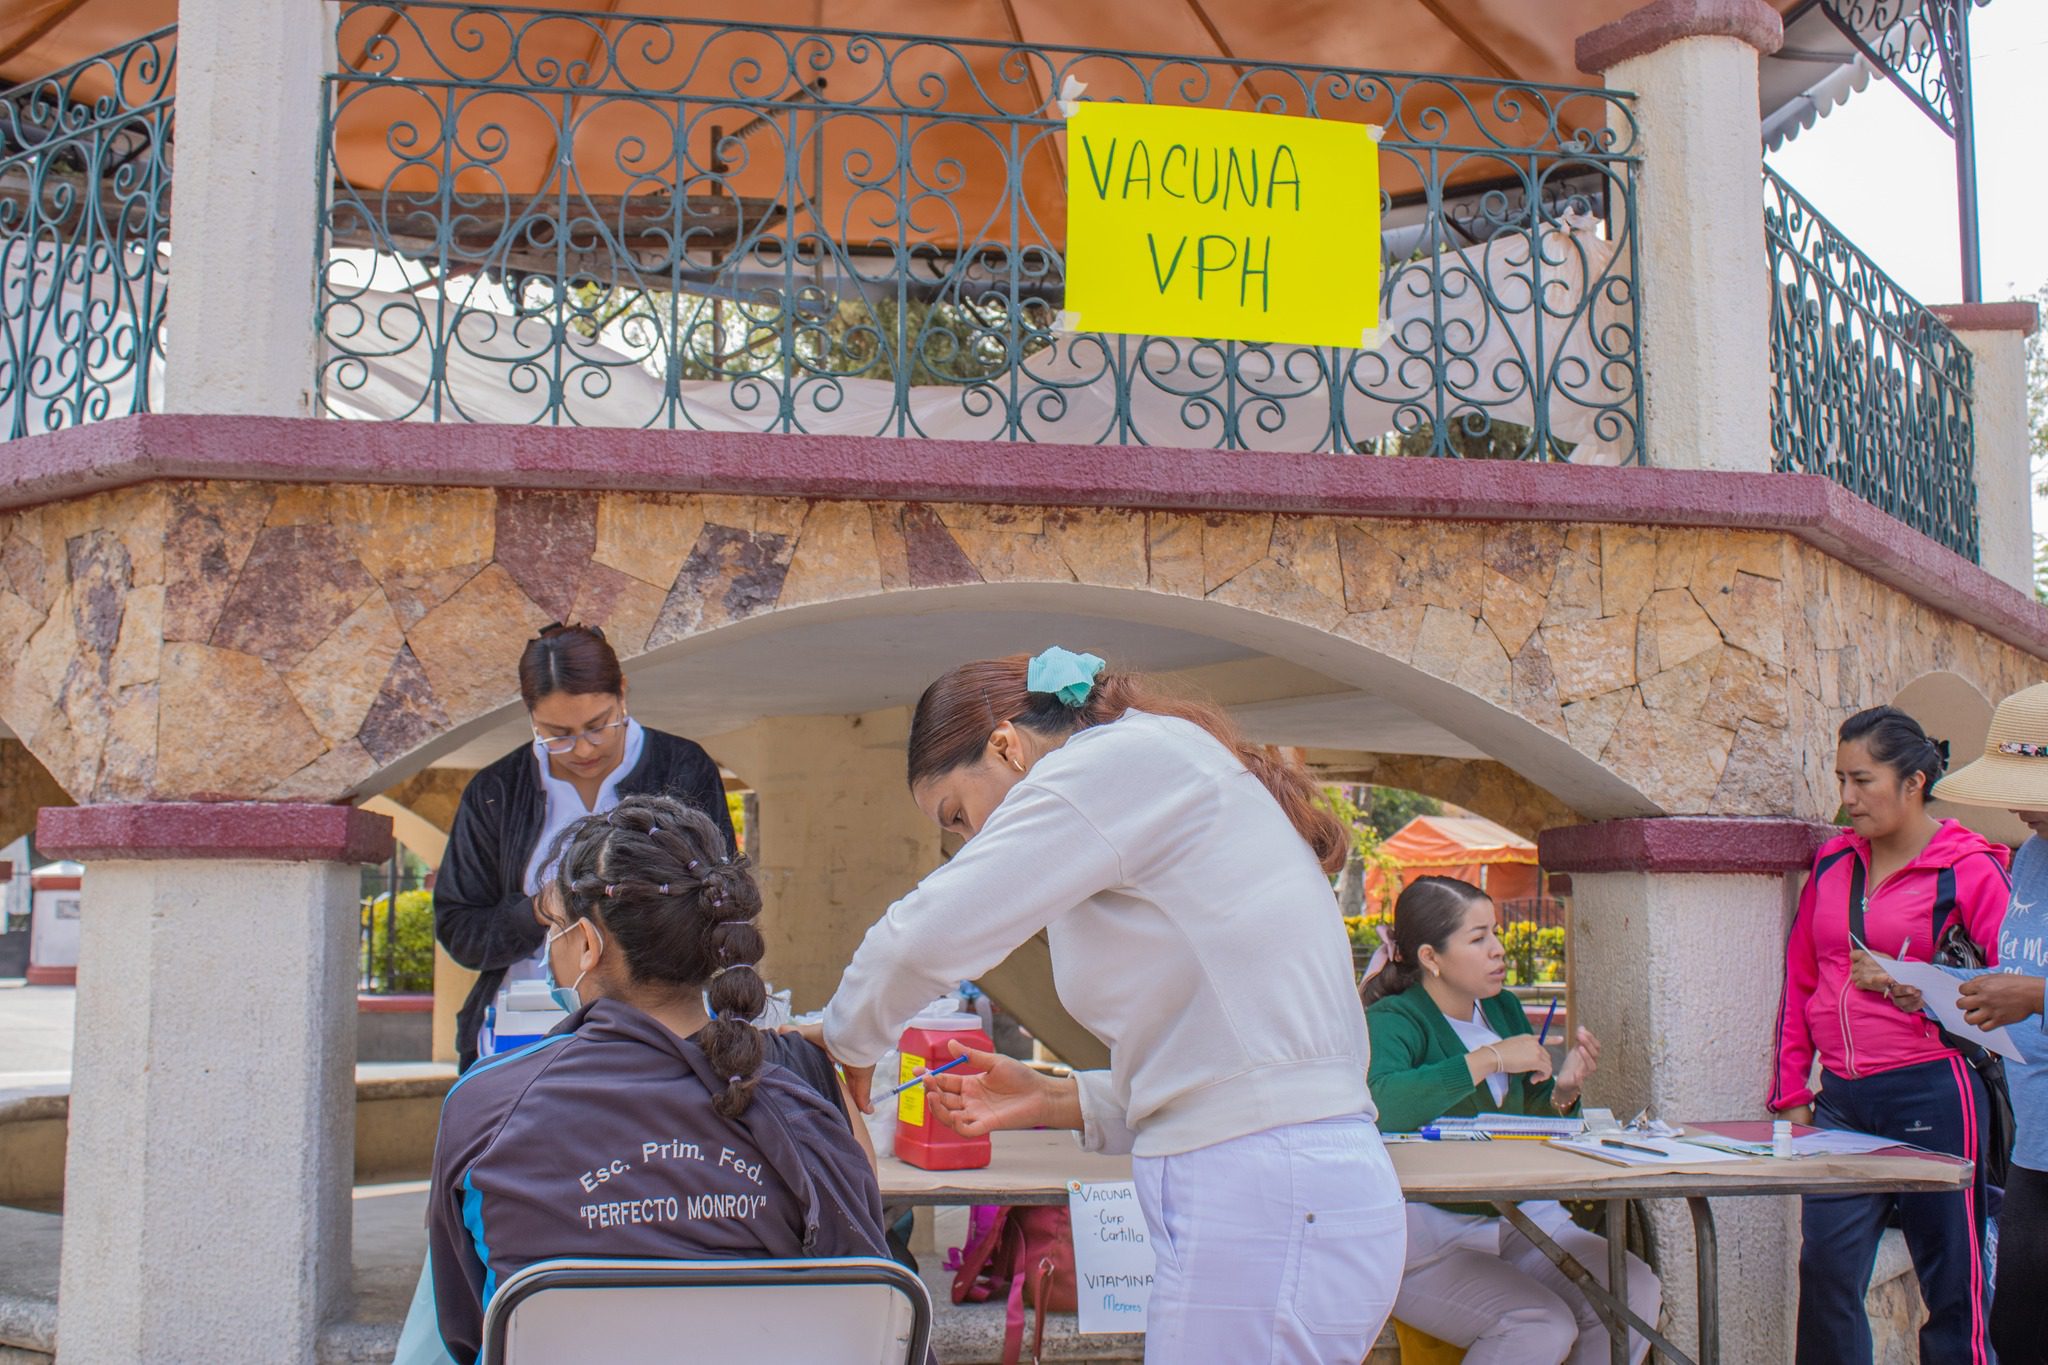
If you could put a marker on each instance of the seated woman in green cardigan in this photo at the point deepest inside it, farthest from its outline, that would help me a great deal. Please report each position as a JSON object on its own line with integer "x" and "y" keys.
{"x": 1447, "y": 1040}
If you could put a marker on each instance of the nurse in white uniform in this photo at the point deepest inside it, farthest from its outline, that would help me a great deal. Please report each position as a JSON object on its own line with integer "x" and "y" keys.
{"x": 1181, "y": 876}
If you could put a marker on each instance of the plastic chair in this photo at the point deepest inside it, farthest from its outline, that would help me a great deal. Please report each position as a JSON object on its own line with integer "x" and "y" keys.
{"x": 851, "y": 1311}
{"x": 1420, "y": 1348}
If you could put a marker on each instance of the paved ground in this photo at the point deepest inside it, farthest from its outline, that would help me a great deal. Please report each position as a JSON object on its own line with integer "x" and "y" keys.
{"x": 35, "y": 1033}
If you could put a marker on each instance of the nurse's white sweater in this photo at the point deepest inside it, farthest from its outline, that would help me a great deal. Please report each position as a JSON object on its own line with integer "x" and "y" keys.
{"x": 1191, "y": 931}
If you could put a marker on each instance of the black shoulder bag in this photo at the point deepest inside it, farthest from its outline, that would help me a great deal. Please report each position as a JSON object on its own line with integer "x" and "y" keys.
{"x": 1953, "y": 947}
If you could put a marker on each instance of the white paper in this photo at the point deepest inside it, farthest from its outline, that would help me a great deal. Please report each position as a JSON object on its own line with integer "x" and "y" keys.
{"x": 1113, "y": 1261}
{"x": 1938, "y": 993}
{"x": 1833, "y": 1142}
{"x": 1656, "y": 1151}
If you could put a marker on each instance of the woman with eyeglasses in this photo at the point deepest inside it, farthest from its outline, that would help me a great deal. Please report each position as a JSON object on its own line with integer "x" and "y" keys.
{"x": 587, "y": 752}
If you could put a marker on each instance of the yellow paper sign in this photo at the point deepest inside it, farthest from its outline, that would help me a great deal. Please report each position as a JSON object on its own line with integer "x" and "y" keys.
{"x": 1221, "y": 224}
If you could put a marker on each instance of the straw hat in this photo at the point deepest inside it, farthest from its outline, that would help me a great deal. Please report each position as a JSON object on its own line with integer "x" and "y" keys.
{"x": 2014, "y": 770}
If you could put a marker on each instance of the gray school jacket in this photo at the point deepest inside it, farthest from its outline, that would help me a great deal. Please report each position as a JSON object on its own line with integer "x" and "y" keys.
{"x": 600, "y": 1141}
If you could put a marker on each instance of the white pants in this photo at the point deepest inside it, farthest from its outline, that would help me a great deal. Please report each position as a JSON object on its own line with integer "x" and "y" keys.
{"x": 1281, "y": 1248}
{"x": 1508, "y": 1305}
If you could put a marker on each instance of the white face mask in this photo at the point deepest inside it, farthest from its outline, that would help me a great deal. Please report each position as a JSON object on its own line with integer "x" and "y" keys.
{"x": 565, "y": 997}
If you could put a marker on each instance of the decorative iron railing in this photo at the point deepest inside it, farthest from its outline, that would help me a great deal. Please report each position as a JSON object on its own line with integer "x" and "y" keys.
{"x": 608, "y": 220}
{"x": 1869, "y": 387}
{"x": 85, "y": 183}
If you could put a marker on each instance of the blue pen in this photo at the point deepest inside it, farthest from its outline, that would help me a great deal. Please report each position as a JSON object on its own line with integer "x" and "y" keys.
{"x": 1549, "y": 1015}
{"x": 918, "y": 1079}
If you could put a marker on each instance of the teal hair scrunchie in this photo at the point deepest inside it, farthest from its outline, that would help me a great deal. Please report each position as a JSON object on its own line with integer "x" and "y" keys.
{"x": 1064, "y": 674}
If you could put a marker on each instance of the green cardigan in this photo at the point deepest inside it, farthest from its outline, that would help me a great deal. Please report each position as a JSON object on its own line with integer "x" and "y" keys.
{"x": 1418, "y": 1072}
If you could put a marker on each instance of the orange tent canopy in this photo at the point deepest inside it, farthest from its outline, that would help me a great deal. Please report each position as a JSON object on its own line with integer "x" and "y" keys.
{"x": 1495, "y": 859}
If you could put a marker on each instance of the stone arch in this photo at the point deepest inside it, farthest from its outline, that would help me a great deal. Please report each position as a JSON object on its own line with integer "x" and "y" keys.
{"x": 1546, "y": 758}
{"x": 26, "y": 786}
{"x": 1950, "y": 707}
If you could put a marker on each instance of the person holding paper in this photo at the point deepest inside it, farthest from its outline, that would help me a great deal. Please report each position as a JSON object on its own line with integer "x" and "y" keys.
{"x": 1894, "y": 880}
{"x": 1181, "y": 876}
{"x": 2012, "y": 774}
{"x": 1447, "y": 1039}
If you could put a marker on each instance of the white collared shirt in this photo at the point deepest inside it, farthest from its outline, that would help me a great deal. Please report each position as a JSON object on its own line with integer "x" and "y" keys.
{"x": 564, "y": 807}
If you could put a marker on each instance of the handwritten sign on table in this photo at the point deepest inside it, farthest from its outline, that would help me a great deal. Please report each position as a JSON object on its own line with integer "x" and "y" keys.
{"x": 1112, "y": 1256}
{"x": 1223, "y": 224}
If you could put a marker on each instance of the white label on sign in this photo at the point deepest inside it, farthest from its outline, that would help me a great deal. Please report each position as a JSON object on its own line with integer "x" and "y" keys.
{"x": 1112, "y": 1256}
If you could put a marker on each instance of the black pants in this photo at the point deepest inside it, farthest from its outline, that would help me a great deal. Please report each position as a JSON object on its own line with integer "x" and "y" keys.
{"x": 1937, "y": 1105}
{"x": 2019, "y": 1303}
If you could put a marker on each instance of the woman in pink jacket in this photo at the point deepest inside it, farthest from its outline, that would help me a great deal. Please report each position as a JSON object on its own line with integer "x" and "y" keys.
{"x": 1895, "y": 881}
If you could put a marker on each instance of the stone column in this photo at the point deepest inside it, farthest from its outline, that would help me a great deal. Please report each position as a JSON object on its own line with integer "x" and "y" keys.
{"x": 839, "y": 836}
{"x": 1704, "y": 304}
{"x": 244, "y": 221}
{"x": 206, "y": 1193}
{"x": 1996, "y": 334}
{"x": 1677, "y": 929}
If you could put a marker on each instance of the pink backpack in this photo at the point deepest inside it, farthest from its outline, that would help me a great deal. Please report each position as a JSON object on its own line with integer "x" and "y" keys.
{"x": 1031, "y": 1247}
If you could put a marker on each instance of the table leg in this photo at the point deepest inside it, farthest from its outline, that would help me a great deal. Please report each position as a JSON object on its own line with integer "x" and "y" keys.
{"x": 1617, "y": 1276}
{"x": 1612, "y": 1308}
{"x": 1706, "y": 1250}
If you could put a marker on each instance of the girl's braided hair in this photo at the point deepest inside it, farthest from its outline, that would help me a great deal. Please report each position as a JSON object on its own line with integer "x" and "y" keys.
{"x": 657, "y": 877}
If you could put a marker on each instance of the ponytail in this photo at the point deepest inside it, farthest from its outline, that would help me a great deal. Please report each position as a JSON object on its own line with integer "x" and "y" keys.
{"x": 1427, "y": 914}
{"x": 657, "y": 877}
{"x": 956, "y": 715}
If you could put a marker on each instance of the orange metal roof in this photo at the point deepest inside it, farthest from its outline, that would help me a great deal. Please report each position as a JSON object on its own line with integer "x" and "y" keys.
{"x": 1484, "y": 39}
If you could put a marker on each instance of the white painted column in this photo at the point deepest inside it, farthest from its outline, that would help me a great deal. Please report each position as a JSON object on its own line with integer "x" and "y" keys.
{"x": 244, "y": 215}
{"x": 212, "y": 1134}
{"x": 1996, "y": 334}
{"x": 1676, "y": 933}
{"x": 1704, "y": 302}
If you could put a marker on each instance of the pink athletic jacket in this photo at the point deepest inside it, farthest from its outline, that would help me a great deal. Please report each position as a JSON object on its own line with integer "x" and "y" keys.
{"x": 1960, "y": 874}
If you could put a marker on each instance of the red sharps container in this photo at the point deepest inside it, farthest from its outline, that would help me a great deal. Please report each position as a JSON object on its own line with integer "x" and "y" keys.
{"x": 922, "y": 1137}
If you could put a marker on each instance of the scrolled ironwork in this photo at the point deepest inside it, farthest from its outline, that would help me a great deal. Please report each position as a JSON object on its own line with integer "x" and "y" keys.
{"x": 85, "y": 182}
{"x": 785, "y": 229}
{"x": 1869, "y": 387}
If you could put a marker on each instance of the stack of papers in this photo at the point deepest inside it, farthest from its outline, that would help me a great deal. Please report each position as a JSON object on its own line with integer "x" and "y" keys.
{"x": 1637, "y": 1149}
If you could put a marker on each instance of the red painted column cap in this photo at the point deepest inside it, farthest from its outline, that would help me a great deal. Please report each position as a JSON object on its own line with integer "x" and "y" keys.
{"x": 1684, "y": 843}
{"x": 2020, "y": 315}
{"x": 1664, "y": 22}
{"x": 261, "y": 830}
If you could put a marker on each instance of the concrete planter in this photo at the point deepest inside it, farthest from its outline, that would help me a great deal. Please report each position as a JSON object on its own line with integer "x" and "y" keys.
{"x": 394, "y": 1028}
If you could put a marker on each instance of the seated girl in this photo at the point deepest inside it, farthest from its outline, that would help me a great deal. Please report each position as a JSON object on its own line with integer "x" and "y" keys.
{"x": 644, "y": 1127}
{"x": 1448, "y": 1040}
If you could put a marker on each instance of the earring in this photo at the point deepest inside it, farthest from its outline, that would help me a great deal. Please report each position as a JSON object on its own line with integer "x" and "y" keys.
{"x": 1018, "y": 766}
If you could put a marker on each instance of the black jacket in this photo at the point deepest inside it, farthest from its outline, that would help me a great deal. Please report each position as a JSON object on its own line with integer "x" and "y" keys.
{"x": 600, "y": 1141}
{"x": 482, "y": 914}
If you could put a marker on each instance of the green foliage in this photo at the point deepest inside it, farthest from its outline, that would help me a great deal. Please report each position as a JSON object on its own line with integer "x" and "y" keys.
{"x": 1366, "y": 853}
{"x": 412, "y": 963}
{"x": 1367, "y": 932}
{"x": 938, "y": 342}
{"x": 1534, "y": 955}
{"x": 1389, "y": 808}
{"x": 736, "y": 808}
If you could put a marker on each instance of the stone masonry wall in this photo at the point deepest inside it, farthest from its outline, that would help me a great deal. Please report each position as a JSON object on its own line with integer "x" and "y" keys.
{"x": 221, "y": 640}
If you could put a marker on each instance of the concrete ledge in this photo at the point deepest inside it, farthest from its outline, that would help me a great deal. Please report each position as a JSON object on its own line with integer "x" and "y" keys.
{"x": 397, "y": 1113}
{"x": 263, "y": 831}
{"x": 128, "y": 450}
{"x": 1708, "y": 844}
{"x": 2021, "y": 316}
{"x": 1664, "y": 22}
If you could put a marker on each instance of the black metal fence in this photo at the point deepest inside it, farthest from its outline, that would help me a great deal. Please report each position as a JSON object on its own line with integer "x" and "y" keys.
{"x": 699, "y": 224}
{"x": 1869, "y": 386}
{"x": 85, "y": 183}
